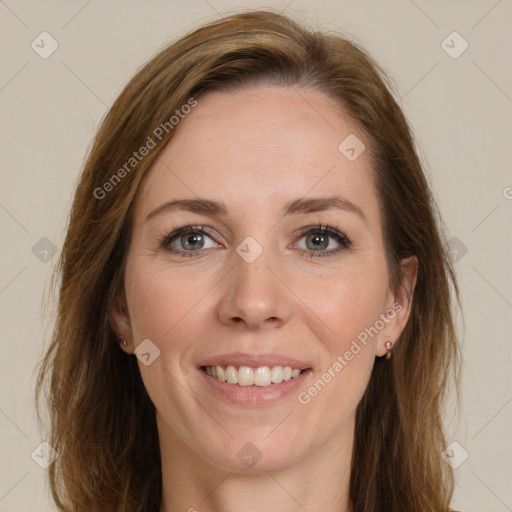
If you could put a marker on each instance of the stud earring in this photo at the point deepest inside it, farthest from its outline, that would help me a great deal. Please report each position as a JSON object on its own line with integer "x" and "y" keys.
{"x": 123, "y": 340}
{"x": 389, "y": 347}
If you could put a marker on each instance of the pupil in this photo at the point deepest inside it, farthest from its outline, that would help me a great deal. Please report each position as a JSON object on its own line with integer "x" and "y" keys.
{"x": 196, "y": 237}
{"x": 316, "y": 238}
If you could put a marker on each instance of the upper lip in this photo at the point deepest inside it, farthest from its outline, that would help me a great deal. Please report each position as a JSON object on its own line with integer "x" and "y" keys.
{"x": 254, "y": 360}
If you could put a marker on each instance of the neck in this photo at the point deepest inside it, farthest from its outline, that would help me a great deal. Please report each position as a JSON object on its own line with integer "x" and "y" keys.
{"x": 318, "y": 481}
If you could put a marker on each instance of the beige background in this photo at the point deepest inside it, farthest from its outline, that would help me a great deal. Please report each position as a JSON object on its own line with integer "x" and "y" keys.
{"x": 460, "y": 109}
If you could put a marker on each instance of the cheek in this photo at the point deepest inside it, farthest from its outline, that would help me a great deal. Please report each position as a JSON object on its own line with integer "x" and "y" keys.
{"x": 348, "y": 306}
{"x": 348, "y": 303}
{"x": 164, "y": 305}
{"x": 159, "y": 300}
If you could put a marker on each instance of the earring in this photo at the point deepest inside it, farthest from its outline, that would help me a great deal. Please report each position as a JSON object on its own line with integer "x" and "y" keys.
{"x": 123, "y": 340}
{"x": 389, "y": 347}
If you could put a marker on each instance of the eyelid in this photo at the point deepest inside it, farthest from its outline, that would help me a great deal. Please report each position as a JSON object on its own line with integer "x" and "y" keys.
{"x": 176, "y": 232}
{"x": 325, "y": 228}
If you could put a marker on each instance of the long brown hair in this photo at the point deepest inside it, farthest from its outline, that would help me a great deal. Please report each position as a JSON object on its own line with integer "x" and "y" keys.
{"x": 101, "y": 419}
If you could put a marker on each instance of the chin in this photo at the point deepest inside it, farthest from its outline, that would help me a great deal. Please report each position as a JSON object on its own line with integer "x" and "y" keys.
{"x": 259, "y": 451}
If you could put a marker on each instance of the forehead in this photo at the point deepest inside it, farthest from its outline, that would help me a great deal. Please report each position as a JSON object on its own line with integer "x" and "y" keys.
{"x": 259, "y": 148}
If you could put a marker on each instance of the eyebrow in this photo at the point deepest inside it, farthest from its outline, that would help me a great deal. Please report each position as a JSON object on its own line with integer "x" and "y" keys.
{"x": 298, "y": 206}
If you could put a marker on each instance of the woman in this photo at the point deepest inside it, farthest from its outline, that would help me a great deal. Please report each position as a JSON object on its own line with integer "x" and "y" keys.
{"x": 254, "y": 309}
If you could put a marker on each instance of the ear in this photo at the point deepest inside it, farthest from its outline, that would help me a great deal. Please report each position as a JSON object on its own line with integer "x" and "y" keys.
{"x": 398, "y": 306}
{"x": 119, "y": 318}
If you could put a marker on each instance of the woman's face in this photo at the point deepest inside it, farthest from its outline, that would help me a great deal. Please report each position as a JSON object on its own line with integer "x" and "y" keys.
{"x": 263, "y": 286}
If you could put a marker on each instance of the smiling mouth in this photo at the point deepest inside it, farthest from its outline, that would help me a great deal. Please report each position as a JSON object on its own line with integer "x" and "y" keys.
{"x": 261, "y": 376}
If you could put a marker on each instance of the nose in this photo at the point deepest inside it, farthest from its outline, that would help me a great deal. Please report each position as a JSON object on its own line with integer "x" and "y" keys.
{"x": 255, "y": 295}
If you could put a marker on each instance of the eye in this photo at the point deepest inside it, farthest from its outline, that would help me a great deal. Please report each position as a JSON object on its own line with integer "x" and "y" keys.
{"x": 317, "y": 239}
{"x": 187, "y": 240}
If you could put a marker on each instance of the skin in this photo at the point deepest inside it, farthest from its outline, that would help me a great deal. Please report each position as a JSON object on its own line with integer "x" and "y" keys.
{"x": 255, "y": 150}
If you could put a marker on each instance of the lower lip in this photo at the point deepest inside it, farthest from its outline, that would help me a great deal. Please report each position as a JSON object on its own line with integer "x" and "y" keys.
{"x": 255, "y": 395}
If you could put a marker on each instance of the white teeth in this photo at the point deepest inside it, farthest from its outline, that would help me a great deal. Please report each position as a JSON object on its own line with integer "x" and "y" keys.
{"x": 246, "y": 376}
{"x": 277, "y": 374}
{"x": 262, "y": 376}
{"x": 231, "y": 375}
{"x": 220, "y": 373}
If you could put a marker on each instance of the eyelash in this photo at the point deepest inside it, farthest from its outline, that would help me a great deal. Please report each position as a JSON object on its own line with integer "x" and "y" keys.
{"x": 342, "y": 239}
